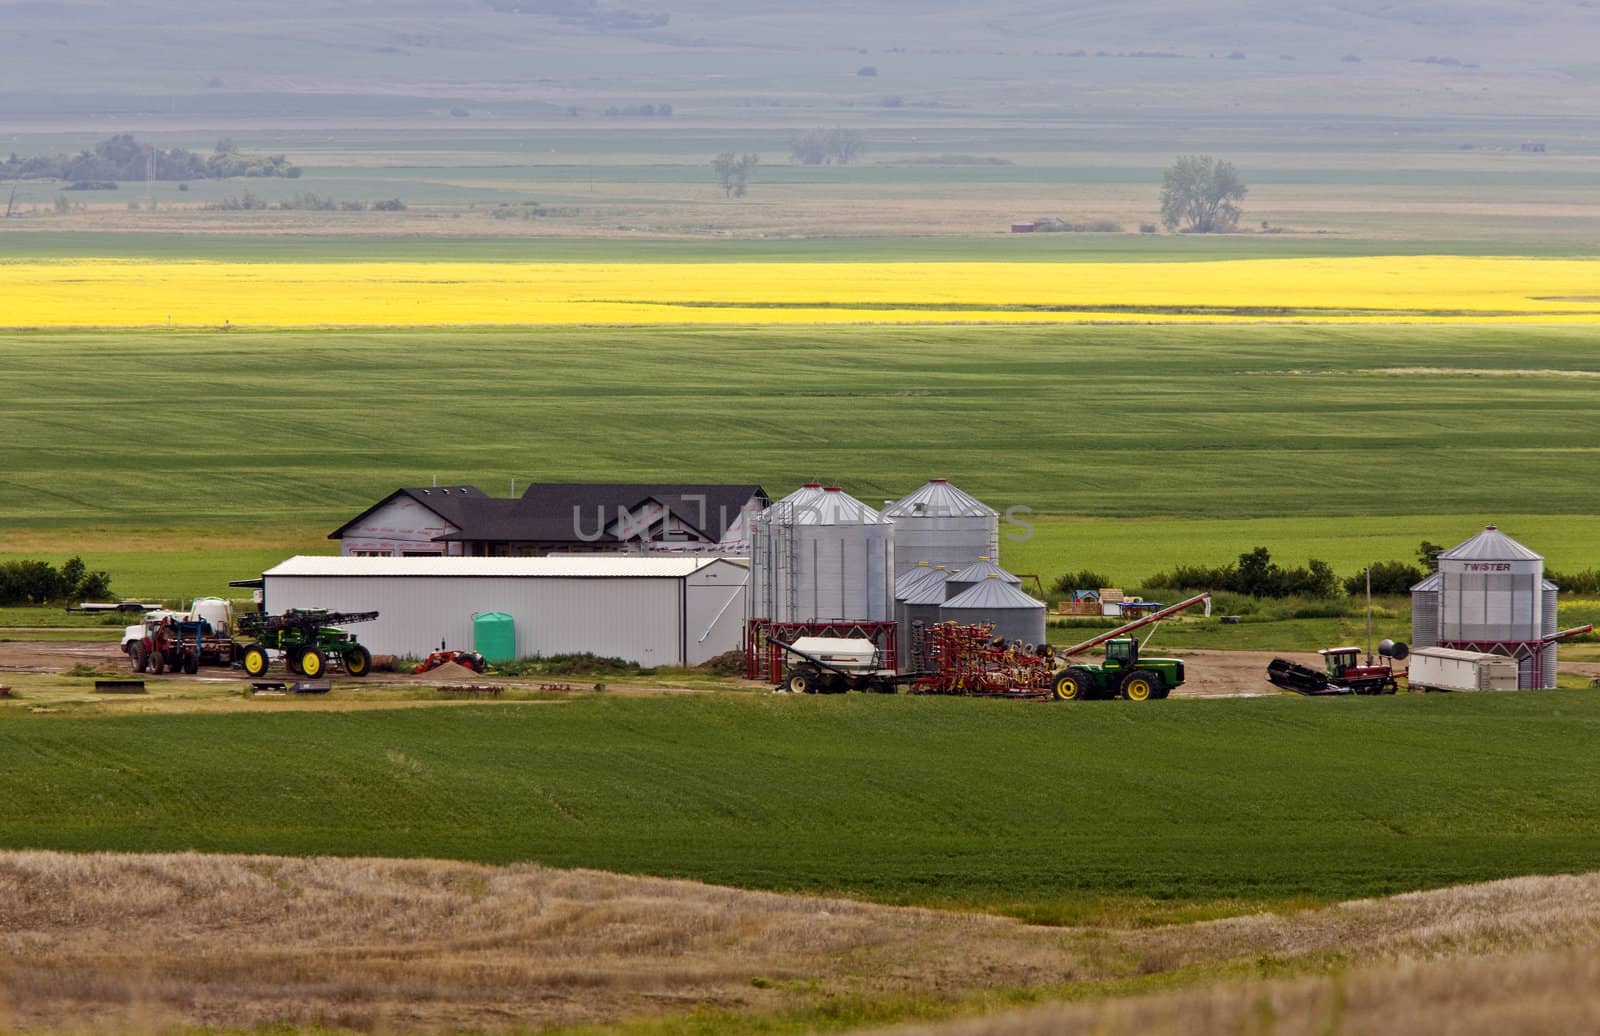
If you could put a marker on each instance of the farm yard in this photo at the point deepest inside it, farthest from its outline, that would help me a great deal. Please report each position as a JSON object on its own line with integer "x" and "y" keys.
{"x": 504, "y": 259}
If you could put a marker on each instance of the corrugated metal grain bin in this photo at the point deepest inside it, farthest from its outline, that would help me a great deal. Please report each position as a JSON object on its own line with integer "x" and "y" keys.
{"x": 494, "y": 636}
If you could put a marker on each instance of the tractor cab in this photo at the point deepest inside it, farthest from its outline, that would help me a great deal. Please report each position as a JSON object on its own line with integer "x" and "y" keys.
{"x": 1122, "y": 653}
{"x": 1340, "y": 660}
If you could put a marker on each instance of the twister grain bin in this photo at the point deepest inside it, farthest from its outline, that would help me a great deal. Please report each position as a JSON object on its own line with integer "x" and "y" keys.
{"x": 821, "y": 555}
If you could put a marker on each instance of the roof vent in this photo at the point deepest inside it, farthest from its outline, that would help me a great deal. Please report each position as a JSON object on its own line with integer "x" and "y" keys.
{"x": 832, "y": 489}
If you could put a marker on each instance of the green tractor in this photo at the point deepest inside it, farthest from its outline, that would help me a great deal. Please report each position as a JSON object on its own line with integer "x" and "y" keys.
{"x": 308, "y": 638}
{"x": 1122, "y": 674}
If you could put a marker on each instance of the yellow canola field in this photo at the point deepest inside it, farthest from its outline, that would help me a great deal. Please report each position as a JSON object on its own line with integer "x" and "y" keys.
{"x": 133, "y": 293}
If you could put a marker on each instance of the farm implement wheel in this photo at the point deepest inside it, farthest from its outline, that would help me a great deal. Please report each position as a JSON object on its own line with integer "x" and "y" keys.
{"x": 1072, "y": 685}
{"x": 1141, "y": 685}
{"x": 310, "y": 662}
{"x": 191, "y": 663}
{"x": 255, "y": 660}
{"x": 358, "y": 661}
{"x": 801, "y": 681}
{"x": 138, "y": 657}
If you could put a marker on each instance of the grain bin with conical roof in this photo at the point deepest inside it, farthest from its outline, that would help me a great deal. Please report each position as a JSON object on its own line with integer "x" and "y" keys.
{"x": 1490, "y": 595}
{"x": 941, "y": 525}
{"x": 1013, "y": 614}
{"x": 821, "y": 555}
{"x": 918, "y": 608}
{"x": 971, "y": 575}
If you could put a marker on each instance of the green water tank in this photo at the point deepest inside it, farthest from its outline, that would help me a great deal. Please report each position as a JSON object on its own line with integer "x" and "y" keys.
{"x": 494, "y": 636}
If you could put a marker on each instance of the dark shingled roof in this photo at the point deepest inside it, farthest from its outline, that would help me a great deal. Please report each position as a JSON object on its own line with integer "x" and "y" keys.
{"x": 568, "y": 512}
{"x": 455, "y": 504}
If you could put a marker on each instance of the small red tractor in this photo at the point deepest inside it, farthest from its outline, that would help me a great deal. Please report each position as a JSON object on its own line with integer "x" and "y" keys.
{"x": 467, "y": 659}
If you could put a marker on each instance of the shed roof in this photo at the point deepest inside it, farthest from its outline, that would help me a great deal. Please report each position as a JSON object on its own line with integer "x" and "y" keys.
{"x": 565, "y": 566}
{"x": 994, "y": 594}
{"x": 1490, "y": 545}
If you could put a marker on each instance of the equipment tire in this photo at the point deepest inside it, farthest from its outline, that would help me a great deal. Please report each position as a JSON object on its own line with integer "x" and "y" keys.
{"x": 1142, "y": 685}
{"x": 158, "y": 662}
{"x": 1075, "y": 684}
{"x": 801, "y": 681}
{"x": 138, "y": 657}
{"x": 255, "y": 660}
{"x": 311, "y": 662}
{"x": 358, "y": 661}
{"x": 191, "y": 662}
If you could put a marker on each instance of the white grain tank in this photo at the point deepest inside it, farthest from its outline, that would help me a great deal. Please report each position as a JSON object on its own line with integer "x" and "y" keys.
{"x": 943, "y": 526}
{"x": 821, "y": 555}
{"x": 1492, "y": 598}
{"x": 975, "y": 573}
{"x": 1014, "y": 615}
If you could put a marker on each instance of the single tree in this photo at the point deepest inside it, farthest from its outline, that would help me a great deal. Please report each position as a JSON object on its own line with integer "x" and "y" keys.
{"x": 1201, "y": 194}
{"x": 733, "y": 172}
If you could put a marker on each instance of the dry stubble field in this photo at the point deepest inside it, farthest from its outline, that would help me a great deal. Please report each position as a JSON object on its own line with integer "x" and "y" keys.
{"x": 146, "y": 943}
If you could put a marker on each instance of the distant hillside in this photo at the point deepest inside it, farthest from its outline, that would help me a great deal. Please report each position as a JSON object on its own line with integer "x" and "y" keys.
{"x": 244, "y": 58}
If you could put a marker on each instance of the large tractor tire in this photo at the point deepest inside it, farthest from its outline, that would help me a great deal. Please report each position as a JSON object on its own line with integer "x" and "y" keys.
{"x": 1073, "y": 684}
{"x": 158, "y": 662}
{"x": 358, "y": 661}
{"x": 138, "y": 657}
{"x": 255, "y": 660}
{"x": 1142, "y": 685}
{"x": 191, "y": 662}
{"x": 311, "y": 662}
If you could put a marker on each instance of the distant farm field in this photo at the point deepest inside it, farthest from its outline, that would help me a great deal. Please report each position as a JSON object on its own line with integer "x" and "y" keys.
{"x": 143, "y": 293}
{"x": 1035, "y": 810}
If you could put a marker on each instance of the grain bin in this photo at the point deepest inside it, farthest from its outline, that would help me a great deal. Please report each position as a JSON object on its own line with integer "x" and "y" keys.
{"x": 1490, "y": 595}
{"x": 1013, "y": 614}
{"x": 975, "y": 573}
{"x": 821, "y": 555}
{"x": 917, "y": 610}
{"x": 940, "y": 524}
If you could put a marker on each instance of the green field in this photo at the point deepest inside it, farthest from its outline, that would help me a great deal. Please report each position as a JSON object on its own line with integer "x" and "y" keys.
{"x": 1038, "y": 810}
{"x": 1139, "y": 446}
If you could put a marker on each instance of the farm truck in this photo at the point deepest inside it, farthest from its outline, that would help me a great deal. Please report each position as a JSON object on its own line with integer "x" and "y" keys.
{"x": 182, "y": 640}
{"x": 308, "y": 639}
{"x": 1123, "y": 673}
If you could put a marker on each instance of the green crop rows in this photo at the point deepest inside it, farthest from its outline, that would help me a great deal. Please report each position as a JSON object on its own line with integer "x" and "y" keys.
{"x": 1027, "y": 807}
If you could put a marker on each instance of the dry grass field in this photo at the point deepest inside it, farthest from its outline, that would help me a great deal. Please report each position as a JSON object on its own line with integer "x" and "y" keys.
{"x": 109, "y": 942}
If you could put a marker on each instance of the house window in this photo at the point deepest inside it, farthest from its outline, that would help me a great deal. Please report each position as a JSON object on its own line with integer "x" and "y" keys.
{"x": 372, "y": 554}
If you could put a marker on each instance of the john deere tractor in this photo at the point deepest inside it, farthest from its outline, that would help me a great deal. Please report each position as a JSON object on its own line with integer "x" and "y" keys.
{"x": 1122, "y": 674}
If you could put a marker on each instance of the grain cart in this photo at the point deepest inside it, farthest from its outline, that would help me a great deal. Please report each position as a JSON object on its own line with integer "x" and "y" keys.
{"x": 308, "y": 639}
{"x": 1124, "y": 672}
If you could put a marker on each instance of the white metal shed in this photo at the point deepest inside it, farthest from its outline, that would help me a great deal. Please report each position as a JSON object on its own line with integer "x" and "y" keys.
{"x": 654, "y": 611}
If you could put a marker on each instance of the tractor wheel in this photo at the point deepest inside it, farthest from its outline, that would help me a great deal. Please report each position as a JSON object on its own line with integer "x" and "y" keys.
{"x": 1073, "y": 685}
{"x": 138, "y": 657}
{"x": 311, "y": 662}
{"x": 158, "y": 662}
{"x": 1390, "y": 687}
{"x": 358, "y": 661}
{"x": 801, "y": 681}
{"x": 191, "y": 662}
{"x": 291, "y": 660}
{"x": 256, "y": 660}
{"x": 1142, "y": 685}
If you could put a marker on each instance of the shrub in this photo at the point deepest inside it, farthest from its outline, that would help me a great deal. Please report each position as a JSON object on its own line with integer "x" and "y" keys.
{"x": 1584, "y": 582}
{"x": 391, "y": 205}
{"x": 38, "y": 582}
{"x": 1085, "y": 579}
{"x": 1388, "y": 577}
